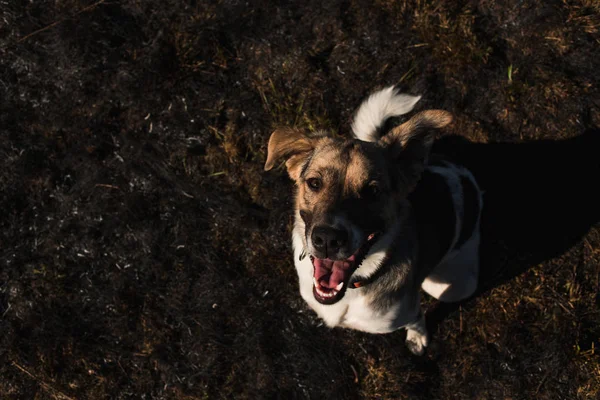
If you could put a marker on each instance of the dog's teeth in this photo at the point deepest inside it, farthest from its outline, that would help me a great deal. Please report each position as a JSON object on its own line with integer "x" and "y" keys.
{"x": 325, "y": 294}
{"x": 315, "y": 282}
{"x": 339, "y": 286}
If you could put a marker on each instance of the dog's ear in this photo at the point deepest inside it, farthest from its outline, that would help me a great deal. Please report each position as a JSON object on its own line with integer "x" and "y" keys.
{"x": 293, "y": 145}
{"x": 410, "y": 143}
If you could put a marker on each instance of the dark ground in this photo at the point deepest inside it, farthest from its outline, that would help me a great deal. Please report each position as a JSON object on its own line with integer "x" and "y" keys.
{"x": 145, "y": 254}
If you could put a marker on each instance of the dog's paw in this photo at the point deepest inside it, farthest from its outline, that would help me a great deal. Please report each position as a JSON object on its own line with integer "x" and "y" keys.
{"x": 416, "y": 342}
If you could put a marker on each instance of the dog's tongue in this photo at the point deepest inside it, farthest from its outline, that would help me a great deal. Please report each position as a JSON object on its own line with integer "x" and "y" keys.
{"x": 330, "y": 273}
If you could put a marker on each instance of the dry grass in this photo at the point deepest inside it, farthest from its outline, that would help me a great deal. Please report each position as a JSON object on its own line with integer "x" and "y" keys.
{"x": 144, "y": 251}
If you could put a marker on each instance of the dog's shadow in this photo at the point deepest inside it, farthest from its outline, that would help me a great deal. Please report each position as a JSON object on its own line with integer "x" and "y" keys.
{"x": 540, "y": 199}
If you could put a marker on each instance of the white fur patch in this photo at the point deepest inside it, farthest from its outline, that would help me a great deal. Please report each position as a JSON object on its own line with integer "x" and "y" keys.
{"x": 433, "y": 288}
{"x": 380, "y": 106}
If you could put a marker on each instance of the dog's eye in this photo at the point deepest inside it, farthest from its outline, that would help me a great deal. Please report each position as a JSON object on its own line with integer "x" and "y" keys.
{"x": 372, "y": 190}
{"x": 314, "y": 184}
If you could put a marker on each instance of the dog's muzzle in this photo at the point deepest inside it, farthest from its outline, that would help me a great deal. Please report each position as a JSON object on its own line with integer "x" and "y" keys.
{"x": 331, "y": 277}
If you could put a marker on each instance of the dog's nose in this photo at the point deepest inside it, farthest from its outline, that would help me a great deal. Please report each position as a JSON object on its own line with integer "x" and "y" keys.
{"x": 329, "y": 240}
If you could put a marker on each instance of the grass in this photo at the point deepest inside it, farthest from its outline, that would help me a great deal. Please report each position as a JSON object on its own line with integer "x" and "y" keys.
{"x": 156, "y": 262}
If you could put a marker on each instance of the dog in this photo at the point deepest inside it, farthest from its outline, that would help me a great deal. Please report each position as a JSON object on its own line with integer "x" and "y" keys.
{"x": 378, "y": 218}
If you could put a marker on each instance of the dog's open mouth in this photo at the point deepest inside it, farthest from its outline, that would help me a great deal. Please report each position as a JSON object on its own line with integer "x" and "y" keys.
{"x": 330, "y": 277}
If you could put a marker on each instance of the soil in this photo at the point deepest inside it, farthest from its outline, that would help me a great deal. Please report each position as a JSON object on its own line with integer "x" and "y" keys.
{"x": 144, "y": 252}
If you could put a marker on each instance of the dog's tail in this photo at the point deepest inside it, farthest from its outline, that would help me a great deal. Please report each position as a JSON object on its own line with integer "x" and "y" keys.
{"x": 380, "y": 106}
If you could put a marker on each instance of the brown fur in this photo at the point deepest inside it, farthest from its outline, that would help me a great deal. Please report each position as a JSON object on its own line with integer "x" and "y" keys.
{"x": 345, "y": 172}
{"x": 411, "y": 142}
{"x": 292, "y": 144}
{"x": 350, "y": 171}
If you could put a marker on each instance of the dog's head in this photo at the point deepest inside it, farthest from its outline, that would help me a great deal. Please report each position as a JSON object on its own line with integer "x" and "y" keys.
{"x": 349, "y": 192}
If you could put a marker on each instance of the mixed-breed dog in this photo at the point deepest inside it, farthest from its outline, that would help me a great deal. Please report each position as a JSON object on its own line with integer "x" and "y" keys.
{"x": 377, "y": 218}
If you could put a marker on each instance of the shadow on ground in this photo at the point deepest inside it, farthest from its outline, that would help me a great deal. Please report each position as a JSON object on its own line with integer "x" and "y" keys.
{"x": 541, "y": 198}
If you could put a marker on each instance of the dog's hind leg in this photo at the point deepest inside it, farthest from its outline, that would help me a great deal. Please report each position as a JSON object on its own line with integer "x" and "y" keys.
{"x": 455, "y": 279}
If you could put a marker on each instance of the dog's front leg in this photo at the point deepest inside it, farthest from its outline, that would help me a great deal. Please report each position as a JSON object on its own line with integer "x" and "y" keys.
{"x": 416, "y": 334}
